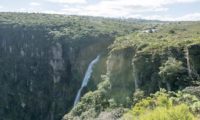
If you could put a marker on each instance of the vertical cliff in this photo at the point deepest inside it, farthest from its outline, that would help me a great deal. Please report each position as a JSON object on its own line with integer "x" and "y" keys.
{"x": 43, "y": 59}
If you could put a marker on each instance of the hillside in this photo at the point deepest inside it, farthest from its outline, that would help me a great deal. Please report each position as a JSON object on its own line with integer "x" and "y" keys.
{"x": 44, "y": 57}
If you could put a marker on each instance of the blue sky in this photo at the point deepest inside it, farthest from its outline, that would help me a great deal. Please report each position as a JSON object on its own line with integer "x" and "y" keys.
{"x": 145, "y": 9}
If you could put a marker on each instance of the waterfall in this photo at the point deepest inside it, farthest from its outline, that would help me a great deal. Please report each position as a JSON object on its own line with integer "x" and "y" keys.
{"x": 135, "y": 76}
{"x": 86, "y": 78}
{"x": 188, "y": 62}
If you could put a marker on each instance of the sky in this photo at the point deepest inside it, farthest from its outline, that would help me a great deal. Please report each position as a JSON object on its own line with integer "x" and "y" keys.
{"x": 172, "y": 10}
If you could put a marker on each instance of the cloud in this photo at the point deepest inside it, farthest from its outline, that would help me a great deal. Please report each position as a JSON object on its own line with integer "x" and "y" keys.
{"x": 68, "y": 1}
{"x": 190, "y": 17}
{"x": 145, "y": 9}
{"x": 187, "y": 17}
{"x": 113, "y": 8}
{"x": 34, "y": 4}
{"x": 146, "y": 3}
{"x": 108, "y": 9}
{"x": 120, "y": 8}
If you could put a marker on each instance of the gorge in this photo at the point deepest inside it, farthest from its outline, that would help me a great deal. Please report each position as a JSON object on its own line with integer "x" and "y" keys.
{"x": 48, "y": 60}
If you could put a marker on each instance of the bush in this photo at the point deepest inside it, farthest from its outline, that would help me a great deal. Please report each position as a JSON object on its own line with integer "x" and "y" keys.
{"x": 112, "y": 103}
{"x": 180, "y": 112}
{"x": 162, "y": 106}
{"x": 195, "y": 107}
{"x": 170, "y": 71}
{"x": 92, "y": 103}
{"x": 137, "y": 96}
{"x": 172, "y": 32}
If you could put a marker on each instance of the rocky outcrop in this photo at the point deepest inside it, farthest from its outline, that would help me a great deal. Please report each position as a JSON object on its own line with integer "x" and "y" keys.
{"x": 130, "y": 70}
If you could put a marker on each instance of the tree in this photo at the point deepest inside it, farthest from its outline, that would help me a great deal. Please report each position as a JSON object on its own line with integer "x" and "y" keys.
{"x": 169, "y": 71}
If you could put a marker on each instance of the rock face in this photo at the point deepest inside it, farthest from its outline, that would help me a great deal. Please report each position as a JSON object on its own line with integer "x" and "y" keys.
{"x": 39, "y": 77}
{"x": 129, "y": 70}
{"x": 119, "y": 69}
{"x": 42, "y": 64}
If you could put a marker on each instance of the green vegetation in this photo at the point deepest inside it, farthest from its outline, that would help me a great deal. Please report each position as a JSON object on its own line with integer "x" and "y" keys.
{"x": 186, "y": 34}
{"x": 63, "y": 25}
{"x": 169, "y": 71}
{"x": 43, "y": 59}
{"x": 165, "y": 106}
{"x": 92, "y": 103}
{"x": 180, "y": 112}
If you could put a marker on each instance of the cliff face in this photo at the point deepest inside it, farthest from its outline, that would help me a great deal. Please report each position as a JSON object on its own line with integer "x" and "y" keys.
{"x": 119, "y": 70}
{"x": 141, "y": 70}
{"x": 43, "y": 59}
{"x": 39, "y": 79}
{"x": 150, "y": 61}
{"x": 43, "y": 62}
{"x": 143, "y": 62}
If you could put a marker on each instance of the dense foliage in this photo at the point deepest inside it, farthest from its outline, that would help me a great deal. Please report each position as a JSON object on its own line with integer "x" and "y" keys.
{"x": 165, "y": 106}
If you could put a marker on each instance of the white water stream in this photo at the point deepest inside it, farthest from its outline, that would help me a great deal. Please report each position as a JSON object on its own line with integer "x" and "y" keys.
{"x": 187, "y": 56}
{"x": 86, "y": 78}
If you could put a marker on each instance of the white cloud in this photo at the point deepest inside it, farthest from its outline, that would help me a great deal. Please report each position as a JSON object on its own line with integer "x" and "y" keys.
{"x": 35, "y": 4}
{"x": 52, "y": 12}
{"x": 152, "y": 3}
{"x": 119, "y": 8}
{"x": 187, "y": 17}
{"x": 1, "y": 7}
{"x": 69, "y": 1}
{"x": 22, "y": 10}
{"x": 113, "y": 8}
{"x": 190, "y": 17}
{"x": 29, "y": 9}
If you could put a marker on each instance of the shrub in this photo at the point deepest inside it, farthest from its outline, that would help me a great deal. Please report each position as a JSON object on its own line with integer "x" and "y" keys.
{"x": 180, "y": 112}
{"x": 170, "y": 71}
{"x": 137, "y": 96}
{"x": 162, "y": 106}
{"x": 112, "y": 103}
{"x": 195, "y": 107}
{"x": 92, "y": 103}
{"x": 172, "y": 32}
